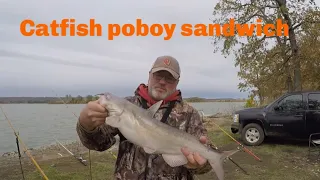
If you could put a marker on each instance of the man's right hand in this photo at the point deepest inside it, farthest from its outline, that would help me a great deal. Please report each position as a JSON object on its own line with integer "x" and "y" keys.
{"x": 93, "y": 115}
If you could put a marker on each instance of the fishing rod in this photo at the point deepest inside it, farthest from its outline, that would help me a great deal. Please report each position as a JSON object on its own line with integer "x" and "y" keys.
{"x": 90, "y": 164}
{"x": 78, "y": 118}
{"x": 83, "y": 161}
{"x": 211, "y": 145}
{"x": 215, "y": 147}
{"x": 24, "y": 146}
{"x": 17, "y": 142}
{"x": 238, "y": 165}
{"x": 245, "y": 149}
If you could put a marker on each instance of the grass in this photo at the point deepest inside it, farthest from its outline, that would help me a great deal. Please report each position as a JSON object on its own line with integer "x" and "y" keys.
{"x": 68, "y": 168}
{"x": 280, "y": 161}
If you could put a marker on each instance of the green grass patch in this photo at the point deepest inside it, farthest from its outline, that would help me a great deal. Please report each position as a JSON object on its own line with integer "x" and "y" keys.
{"x": 70, "y": 169}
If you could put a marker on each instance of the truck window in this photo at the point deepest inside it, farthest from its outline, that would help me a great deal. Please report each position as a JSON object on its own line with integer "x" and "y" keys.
{"x": 291, "y": 103}
{"x": 314, "y": 101}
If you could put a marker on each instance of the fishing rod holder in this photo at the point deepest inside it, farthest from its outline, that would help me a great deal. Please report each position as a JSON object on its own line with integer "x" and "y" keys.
{"x": 19, "y": 153}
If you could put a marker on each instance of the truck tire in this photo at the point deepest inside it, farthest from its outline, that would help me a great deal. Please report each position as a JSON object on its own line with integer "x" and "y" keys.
{"x": 252, "y": 134}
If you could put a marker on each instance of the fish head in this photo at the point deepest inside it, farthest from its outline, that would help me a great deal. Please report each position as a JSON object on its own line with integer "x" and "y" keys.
{"x": 113, "y": 104}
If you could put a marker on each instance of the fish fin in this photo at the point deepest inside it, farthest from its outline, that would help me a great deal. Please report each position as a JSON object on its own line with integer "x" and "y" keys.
{"x": 154, "y": 108}
{"x": 175, "y": 160}
{"x": 217, "y": 166}
{"x": 149, "y": 150}
{"x": 113, "y": 121}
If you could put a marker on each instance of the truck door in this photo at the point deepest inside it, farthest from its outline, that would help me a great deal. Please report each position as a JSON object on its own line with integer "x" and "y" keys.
{"x": 313, "y": 113}
{"x": 287, "y": 116}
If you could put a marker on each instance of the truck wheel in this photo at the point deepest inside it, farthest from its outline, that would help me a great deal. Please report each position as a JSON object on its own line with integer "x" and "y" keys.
{"x": 252, "y": 134}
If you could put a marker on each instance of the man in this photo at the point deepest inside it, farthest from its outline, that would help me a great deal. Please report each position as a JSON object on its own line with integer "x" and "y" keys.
{"x": 132, "y": 162}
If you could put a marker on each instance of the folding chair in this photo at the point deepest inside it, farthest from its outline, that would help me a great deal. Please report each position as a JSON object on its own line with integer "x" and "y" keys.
{"x": 314, "y": 142}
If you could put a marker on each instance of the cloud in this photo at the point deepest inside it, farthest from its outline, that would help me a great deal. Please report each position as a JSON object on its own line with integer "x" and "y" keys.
{"x": 84, "y": 65}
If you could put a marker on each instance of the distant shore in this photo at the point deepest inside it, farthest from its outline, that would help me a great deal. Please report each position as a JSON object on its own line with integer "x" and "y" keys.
{"x": 84, "y": 100}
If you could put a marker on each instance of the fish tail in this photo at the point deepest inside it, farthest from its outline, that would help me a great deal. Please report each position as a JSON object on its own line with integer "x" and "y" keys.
{"x": 217, "y": 166}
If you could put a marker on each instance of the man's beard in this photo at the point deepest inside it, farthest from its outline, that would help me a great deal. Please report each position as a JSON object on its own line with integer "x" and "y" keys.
{"x": 158, "y": 95}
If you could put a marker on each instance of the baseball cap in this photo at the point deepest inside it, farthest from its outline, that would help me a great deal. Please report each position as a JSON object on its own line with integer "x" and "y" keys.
{"x": 167, "y": 63}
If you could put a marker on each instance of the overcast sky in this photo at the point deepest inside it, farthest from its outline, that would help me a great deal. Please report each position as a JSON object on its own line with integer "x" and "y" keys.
{"x": 34, "y": 66}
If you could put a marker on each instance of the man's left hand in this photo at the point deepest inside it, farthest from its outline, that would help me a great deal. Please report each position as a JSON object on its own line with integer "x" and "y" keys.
{"x": 194, "y": 160}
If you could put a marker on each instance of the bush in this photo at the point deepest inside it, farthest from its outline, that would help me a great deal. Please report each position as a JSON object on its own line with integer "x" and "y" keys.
{"x": 250, "y": 102}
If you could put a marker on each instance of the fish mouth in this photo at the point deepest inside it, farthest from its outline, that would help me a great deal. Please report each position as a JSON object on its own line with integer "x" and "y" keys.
{"x": 100, "y": 94}
{"x": 106, "y": 94}
{"x": 115, "y": 112}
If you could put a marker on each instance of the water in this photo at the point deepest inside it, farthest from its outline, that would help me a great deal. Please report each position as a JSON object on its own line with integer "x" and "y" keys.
{"x": 37, "y": 124}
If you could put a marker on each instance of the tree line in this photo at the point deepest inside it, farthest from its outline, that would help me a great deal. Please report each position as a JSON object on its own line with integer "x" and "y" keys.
{"x": 272, "y": 65}
{"x": 82, "y": 100}
{"x": 68, "y": 99}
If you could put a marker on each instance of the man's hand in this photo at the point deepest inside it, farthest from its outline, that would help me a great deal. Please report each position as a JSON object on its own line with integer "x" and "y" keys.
{"x": 93, "y": 115}
{"x": 195, "y": 160}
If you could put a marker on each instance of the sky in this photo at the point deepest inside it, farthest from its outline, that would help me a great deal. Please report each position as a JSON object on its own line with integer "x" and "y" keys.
{"x": 45, "y": 66}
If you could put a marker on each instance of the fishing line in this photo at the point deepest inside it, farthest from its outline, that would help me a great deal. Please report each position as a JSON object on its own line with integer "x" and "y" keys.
{"x": 90, "y": 165}
{"x": 24, "y": 146}
{"x": 90, "y": 171}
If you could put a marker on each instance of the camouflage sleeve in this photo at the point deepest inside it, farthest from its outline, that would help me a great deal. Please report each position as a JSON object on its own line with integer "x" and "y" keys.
{"x": 196, "y": 128}
{"x": 99, "y": 139}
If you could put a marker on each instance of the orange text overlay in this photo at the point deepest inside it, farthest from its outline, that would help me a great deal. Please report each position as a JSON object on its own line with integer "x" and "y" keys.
{"x": 68, "y": 26}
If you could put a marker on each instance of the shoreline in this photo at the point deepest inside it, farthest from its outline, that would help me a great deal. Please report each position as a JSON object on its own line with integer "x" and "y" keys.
{"x": 41, "y": 149}
{"x": 73, "y": 143}
{"x": 49, "y": 153}
{"x": 75, "y": 147}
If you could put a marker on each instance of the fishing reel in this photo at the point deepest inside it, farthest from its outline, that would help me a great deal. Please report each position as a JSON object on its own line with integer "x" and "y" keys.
{"x": 83, "y": 161}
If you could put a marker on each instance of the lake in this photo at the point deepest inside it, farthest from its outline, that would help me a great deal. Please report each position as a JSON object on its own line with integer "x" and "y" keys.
{"x": 37, "y": 124}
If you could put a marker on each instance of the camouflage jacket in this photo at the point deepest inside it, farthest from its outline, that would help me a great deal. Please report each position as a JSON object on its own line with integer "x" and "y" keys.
{"x": 132, "y": 162}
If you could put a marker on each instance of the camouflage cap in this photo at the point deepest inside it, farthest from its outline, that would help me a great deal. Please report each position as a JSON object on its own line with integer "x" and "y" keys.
{"x": 167, "y": 63}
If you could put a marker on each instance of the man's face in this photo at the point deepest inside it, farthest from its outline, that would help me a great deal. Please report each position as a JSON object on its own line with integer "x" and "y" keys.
{"x": 161, "y": 85}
